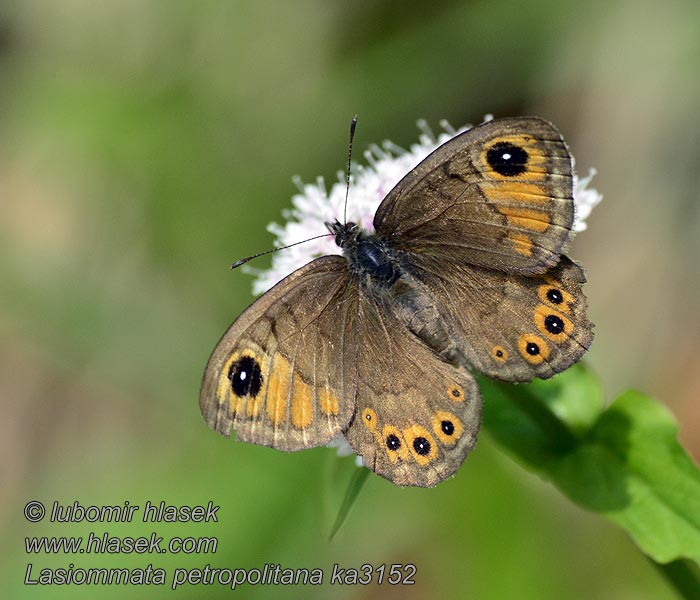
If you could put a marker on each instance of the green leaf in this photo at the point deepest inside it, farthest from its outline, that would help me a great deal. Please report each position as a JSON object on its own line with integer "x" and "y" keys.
{"x": 535, "y": 420}
{"x": 683, "y": 576}
{"x": 646, "y": 481}
{"x": 357, "y": 482}
{"x": 623, "y": 462}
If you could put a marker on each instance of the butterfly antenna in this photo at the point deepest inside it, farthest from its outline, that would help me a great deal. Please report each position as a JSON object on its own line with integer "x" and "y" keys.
{"x": 353, "y": 126}
{"x": 243, "y": 261}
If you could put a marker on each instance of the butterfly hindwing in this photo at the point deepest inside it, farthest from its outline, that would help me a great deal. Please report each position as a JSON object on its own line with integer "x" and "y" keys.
{"x": 282, "y": 374}
{"x": 417, "y": 415}
{"x": 498, "y": 195}
{"x": 507, "y": 326}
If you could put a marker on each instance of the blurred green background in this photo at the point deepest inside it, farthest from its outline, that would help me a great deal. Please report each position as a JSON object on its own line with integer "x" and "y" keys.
{"x": 145, "y": 145}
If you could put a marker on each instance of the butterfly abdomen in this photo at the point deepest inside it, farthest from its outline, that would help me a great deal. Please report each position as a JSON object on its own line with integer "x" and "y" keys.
{"x": 383, "y": 277}
{"x": 421, "y": 315}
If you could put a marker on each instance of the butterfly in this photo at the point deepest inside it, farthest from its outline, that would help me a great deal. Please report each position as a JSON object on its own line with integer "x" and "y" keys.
{"x": 464, "y": 271}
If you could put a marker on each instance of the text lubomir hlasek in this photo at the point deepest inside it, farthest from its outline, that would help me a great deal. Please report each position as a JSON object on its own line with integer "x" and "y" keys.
{"x": 124, "y": 513}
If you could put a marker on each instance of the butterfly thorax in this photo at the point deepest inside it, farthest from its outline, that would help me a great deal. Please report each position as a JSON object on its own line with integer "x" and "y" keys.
{"x": 367, "y": 254}
{"x": 382, "y": 276}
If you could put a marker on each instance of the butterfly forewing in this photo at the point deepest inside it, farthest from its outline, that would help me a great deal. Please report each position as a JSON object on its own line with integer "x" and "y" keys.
{"x": 283, "y": 373}
{"x": 498, "y": 195}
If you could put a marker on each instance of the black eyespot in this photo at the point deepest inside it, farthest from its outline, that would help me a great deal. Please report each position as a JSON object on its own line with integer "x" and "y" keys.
{"x": 499, "y": 353}
{"x": 456, "y": 393}
{"x": 421, "y": 446}
{"x": 447, "y": 427}
{"x": 555, "y": 296}
{"x": 507, "y": 159}
{"x": 532, "y": 349}
{"x": 393, "y": 442}
{"x": 245, "y": 376}
{"x": 553, "y": 324}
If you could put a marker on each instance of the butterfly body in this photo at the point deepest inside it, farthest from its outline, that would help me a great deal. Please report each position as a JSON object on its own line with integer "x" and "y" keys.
{"x": 368, "y": 255}
{"x": 464, "y": 271}
{"x": 381, "y": 272}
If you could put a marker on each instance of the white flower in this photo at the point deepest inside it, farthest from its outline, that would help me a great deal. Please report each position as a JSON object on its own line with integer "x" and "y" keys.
{"x": 585, "y": 200}
{"x": 344, "y": 449}
{"x": 314, "y": 205}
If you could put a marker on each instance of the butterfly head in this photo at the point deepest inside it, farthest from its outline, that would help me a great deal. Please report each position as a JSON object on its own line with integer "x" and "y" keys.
{"x": 345, "y": 233}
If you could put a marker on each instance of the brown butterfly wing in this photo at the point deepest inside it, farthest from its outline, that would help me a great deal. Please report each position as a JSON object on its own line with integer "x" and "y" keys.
{"x": 511, "y": 327}
{"x": 498, "y": 195}
{"x": 283, "y": 373}
{"x": 417, "y": 415}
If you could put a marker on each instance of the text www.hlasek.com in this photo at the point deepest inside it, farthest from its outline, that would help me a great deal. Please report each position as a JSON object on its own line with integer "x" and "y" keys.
{"x": 107, "y": 544}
